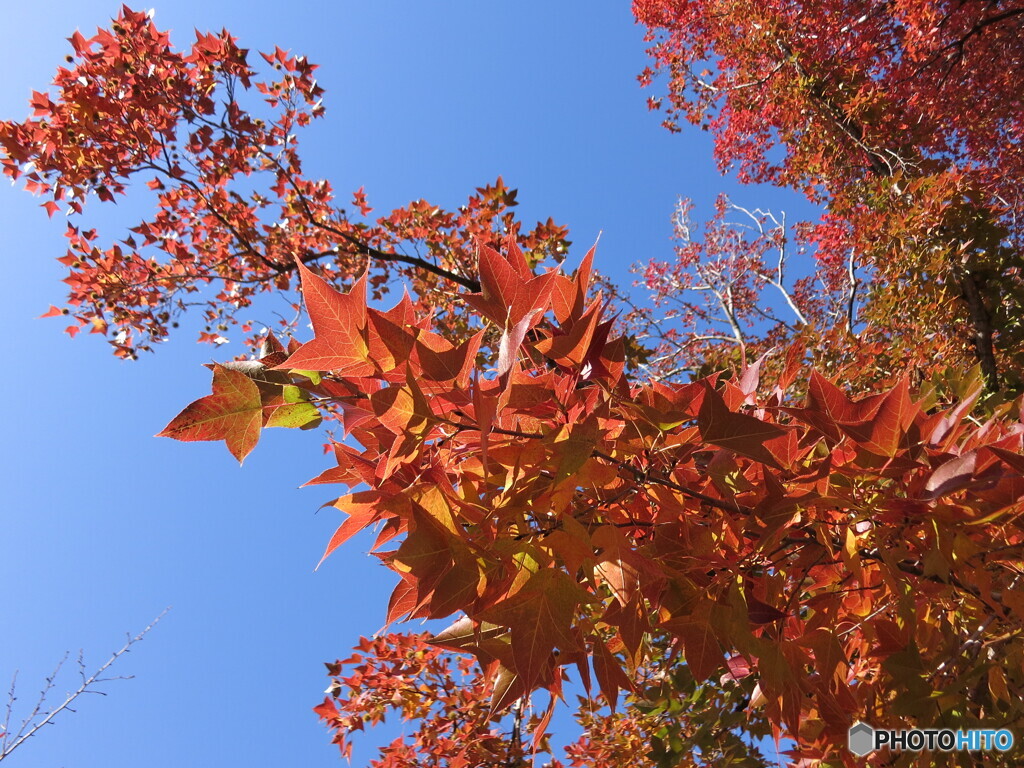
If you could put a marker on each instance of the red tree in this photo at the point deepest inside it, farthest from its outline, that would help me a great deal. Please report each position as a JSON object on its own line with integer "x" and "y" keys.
{"x": 905, "y": 120}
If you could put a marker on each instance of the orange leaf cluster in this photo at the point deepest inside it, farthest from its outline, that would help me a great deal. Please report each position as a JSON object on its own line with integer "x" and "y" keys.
{"x": 571, "y": 516}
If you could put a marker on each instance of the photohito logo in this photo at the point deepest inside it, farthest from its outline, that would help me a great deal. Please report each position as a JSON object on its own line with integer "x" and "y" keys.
{"x": 863, "y": 739}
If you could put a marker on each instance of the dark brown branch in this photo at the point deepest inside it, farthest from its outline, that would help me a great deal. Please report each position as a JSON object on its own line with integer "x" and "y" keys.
{"x": 364, "y": 247}
{"x": 912, "y": 568}
{"x": 648, "y": 477}
{"x": 644, "y": 476}
{"x": 414, "y": 261}
{"x": 983, "y": 335}
{"x": 979, "y": 27}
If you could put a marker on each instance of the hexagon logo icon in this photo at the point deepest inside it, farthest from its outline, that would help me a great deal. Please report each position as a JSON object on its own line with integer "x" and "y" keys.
{"x": 861, "y": 739}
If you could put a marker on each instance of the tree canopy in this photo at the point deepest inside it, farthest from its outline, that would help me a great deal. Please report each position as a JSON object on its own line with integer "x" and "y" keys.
{"x": 745, "y": 506}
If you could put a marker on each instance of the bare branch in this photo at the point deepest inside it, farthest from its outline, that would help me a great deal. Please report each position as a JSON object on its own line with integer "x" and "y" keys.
{"x": 7, "y": 718}
{"x": 851, "y": 303}
{"x": 40, "y": 717}
{"x": 758, "y": 216}
{"x": 739, "y": 86}
{"x": 715, "y": 337}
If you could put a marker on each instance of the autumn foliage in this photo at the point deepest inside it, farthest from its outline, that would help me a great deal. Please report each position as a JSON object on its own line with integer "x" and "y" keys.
{"x": 821, "y": 524}
{"x": 905, "y": 120}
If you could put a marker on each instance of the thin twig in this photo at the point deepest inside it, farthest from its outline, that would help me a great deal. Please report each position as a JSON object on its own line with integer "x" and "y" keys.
{"x": 37, "y": 719}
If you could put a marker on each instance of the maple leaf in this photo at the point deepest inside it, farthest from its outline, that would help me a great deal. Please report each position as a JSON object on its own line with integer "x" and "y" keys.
{"x": 701, "y": 648}
{"x": 339, "y": 327}
{"x": 736, "y": 431}
{"x": 511, "y": 297}
{"x": 363, "y": 509}
{"x": 610, "y": 677}
{"x": 617, "y": 563}
{"x": 569, "y": 296}
{"x": 540, "y": 614}
{"x": 442, "y": 362}
{"x": 233, "y": 413}
{"x": 573, "y": 346}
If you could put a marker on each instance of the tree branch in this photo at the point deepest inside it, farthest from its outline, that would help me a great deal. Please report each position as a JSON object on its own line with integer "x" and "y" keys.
{"x": 351, "y": 239}
{"x": 983, "y": 335}
{"x": 37, "y": 719}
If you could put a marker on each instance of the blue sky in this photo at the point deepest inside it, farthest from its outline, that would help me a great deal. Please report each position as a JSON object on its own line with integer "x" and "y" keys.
{"x": 103, "y": 525}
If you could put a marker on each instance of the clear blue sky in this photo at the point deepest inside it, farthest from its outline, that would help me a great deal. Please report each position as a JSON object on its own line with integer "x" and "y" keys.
{"x": 103, "y": 525}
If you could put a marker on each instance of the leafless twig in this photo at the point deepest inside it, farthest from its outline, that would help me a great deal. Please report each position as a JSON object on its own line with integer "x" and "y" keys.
{"x": 851, "y": 304}
{"x": 41, "y": 715}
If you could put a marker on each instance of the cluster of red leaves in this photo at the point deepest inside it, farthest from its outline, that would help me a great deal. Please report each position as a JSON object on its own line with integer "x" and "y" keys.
{"x": 443, "y": 694}
{"x": 893, "y": 81}
{"x": 905, "y": 119}
{"x": 234, "y": 210}
{"x": 446, "y": 696}
{"x": 836, "y": 553}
